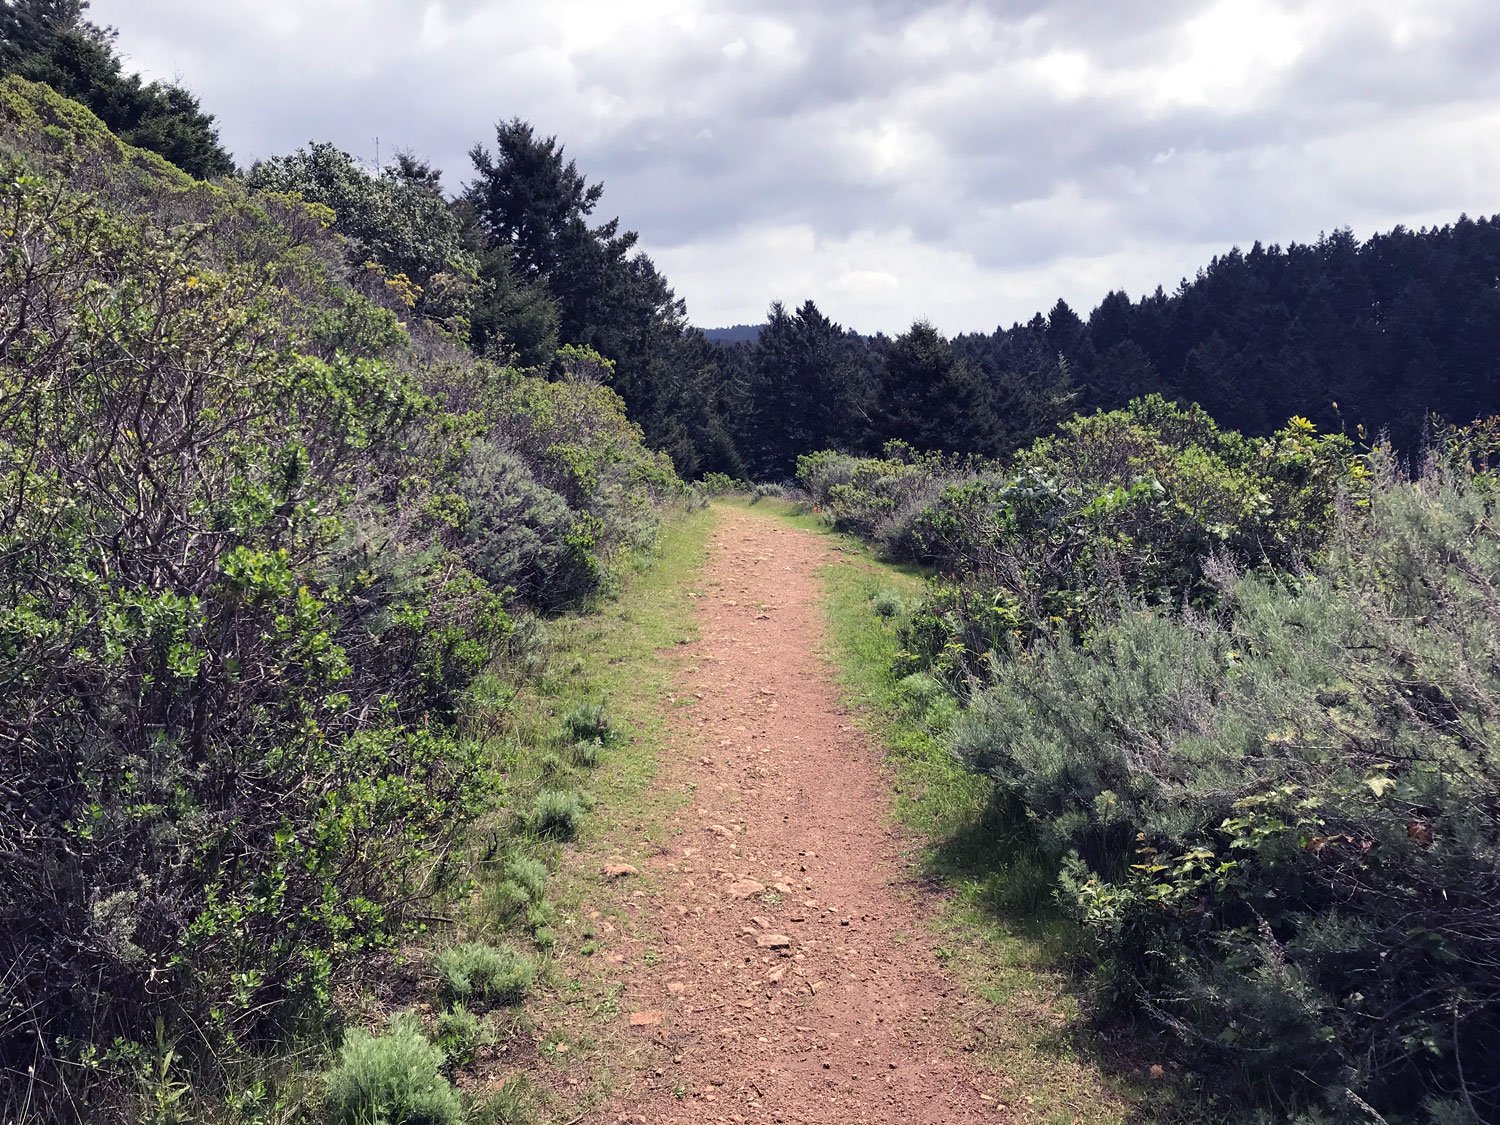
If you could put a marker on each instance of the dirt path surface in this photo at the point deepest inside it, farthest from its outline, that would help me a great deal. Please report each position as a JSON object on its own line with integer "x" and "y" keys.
{"x": 794, "y": 980}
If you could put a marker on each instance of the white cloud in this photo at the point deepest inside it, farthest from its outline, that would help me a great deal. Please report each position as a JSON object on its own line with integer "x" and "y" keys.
{"x": 966, "y": 161}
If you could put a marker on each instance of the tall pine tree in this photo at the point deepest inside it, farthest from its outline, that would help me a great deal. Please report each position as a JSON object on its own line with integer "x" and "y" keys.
{"x": 933, "y": 400}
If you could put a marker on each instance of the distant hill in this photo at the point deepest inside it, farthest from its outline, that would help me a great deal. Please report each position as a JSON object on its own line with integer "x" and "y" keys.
{"x": 734, "y": 334}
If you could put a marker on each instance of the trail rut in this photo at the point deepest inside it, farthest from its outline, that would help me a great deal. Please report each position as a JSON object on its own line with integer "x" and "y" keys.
{"x": 794, "y": 980}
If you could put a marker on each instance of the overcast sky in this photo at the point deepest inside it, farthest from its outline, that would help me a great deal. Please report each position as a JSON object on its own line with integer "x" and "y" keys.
{"x": 892, "y": 159}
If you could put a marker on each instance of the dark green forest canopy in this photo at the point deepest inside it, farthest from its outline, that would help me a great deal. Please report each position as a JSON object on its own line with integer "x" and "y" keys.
{"x": 51, "y": 41}
{"x": 1373, "y": 337}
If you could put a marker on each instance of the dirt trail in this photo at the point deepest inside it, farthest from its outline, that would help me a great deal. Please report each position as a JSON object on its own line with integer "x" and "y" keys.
{"x": 785, "y": 840}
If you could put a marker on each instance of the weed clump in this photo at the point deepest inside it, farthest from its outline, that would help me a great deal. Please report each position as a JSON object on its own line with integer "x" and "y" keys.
{"x": 529, "y": 874}
{"x": 512, "y": 1104}
{"x": 484, "y": 972}
{"x": 504, "y": 902}
{"x": 517, "y": 894}
{"x": 588, "y": 752}
{"x": 390, "y": 1078}
{"x": 460, "y": 1034}
{"x": 588, "y": 721}
{"x": 557, "y": 814}
{"x": 928, "y": 701}
{"x": 888, "y": 604}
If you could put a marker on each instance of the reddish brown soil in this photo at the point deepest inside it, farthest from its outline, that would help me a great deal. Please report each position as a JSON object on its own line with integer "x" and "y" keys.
{"x": 853, "y": 1020}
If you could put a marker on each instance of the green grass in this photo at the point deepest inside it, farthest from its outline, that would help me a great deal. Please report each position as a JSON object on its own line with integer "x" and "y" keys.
{"x": 996, "y": 927}
{"x": 601, "y": 676}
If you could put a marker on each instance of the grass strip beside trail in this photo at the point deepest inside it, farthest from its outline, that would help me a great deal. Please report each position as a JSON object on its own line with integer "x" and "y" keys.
{"x": 618, "y": 658}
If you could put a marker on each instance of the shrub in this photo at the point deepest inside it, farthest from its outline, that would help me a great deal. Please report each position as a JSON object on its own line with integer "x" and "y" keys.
{"x": 588, "y": 752}
{"x": 505, "y": 901}
{"x": 227, "y": 696}
{"x": 484, "y": 972}
{"x": 1129, "y": 506}
{"x": 919, "y": 691}
{"x": 928, "y": 701}
{"x": 238, "y": 615}
{"x": 460, "y": 1034}
{"x": 394, "y": 1077}
{"x": 579, "y": 443}
{"x": 541, "y": 915}
{"x": 820, "y": 473}
{"x": 529, "y": 874}
{"x": 888, "y": 604}
{"x": 557, "y": 814}
{"x": 588, "y": 721}
{"x": 1281, "y": 822}
{"x": 523, "y": 536}
{"x": 719, "y": 484}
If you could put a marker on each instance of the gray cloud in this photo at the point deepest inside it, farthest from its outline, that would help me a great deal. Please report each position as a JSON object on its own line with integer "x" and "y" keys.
{"x": 969, "y": 162}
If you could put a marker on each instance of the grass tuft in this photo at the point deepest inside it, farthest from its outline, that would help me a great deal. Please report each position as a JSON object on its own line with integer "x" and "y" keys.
{"x": 490, "y": 973}
{"x": 557, "y": 814}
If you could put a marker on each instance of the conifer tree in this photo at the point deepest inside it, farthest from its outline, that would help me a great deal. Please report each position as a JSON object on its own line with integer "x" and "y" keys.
{"x": 51, "y": 41}
{"x": 931, "y": 399}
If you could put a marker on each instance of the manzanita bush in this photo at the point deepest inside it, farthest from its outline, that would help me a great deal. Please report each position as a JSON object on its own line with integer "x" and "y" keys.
{"x": 245, "y": 582}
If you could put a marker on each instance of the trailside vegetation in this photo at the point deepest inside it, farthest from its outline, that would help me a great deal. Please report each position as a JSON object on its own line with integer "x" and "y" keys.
{"x": 1237, "y": 695}
{"x": 262, "y": 525}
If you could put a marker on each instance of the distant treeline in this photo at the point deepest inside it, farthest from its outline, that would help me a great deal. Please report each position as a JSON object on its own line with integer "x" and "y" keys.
{"x": 1378, "y": 334}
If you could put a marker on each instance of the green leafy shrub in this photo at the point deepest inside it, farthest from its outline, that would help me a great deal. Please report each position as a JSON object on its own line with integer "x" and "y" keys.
{"x": 395, "y": 1077}
{"x": 577, "y": 440}
{"x": 460, "y": 1033}
{"x": 475, "y": 971}
{"x": 878, "y": 497}
{"x": 242, "y": 603}
{"x": 928, "y": 700}
{"x": 557, "y": 814}
{"x": 1281, "y": 822}
{"x": 1131, "y": 505}
{"x": 237, "y": 761}
{"x": 720, "y": 484}
{"x": 888, "y": 604}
